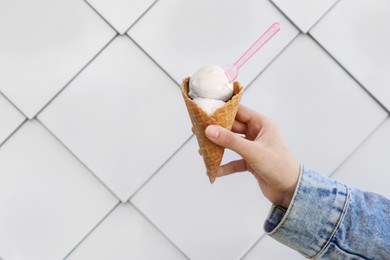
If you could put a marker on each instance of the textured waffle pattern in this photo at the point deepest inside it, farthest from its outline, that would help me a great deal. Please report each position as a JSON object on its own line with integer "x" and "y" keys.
{"x": 224, "y": 116}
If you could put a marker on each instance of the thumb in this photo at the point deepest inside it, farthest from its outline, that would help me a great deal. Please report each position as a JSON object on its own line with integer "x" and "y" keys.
{"x": 228, "y": 139}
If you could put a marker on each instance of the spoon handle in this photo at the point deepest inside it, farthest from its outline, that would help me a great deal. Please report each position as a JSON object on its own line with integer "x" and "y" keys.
{"x": 274, "y": 28}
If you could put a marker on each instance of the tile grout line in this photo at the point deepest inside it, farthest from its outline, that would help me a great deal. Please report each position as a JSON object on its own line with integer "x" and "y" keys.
{"x": 153, "y": 60}
{"x": 357, "y": 148}
{"x": 140, "y": 17}
{"x": 250, "y": 248}
{"x": 79, "y": 160}
{"x": 92, "y": 230}
{"x": 349, "y": 74}
{"x": 323, "y": 16}
{"x": 285, "y": 15}
{"x": 74, "y": 77}
{"x": 13, "y": 104}
{"x": 159, "y": 230}
{"x": 293, "y": 23}
{"x": 100, "y": 15}
{"x": 13, "y": 132}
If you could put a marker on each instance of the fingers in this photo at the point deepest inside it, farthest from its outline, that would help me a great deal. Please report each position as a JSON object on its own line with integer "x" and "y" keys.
{"x": 239, "y": 127}
{"x": 232, "y": 167}
{"x": 244, "y": 114}
{"x": 247, "y": 119}
{"x": 228, "y": 139}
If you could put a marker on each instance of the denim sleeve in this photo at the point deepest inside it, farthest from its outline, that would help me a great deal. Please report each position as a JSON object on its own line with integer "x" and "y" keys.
{"x": 329, "y": 220}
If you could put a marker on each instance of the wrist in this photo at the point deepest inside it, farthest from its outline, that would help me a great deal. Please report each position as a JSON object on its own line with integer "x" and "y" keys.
{"x": 289, "y": 194}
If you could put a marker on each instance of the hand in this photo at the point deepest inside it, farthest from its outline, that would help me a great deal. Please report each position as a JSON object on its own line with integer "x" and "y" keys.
{"x": 264, "y": 153}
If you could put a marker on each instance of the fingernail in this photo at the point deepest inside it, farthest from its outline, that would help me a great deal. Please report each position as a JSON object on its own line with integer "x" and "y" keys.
{"x": 212, "y": 132}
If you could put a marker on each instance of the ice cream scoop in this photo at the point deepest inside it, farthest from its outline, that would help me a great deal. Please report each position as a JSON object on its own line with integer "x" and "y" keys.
{"x": 210, "y": 82}
{"x": 209, "y": 105}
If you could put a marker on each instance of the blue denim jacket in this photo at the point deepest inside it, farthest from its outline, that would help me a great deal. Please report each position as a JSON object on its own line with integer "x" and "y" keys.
{"x": 329, "y": 220}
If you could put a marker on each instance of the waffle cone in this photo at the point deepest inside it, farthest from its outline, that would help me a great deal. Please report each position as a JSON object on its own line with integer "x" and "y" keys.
{"x": 224, "y": 116}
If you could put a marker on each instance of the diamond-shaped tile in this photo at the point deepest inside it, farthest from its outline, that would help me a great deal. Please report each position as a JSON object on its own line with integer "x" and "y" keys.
{"x": 48, "y": 200}
{"x": 10, "y": 118}
{"x": 125, "y": 234}
{"x": 183, "y": 36}
{"x": 357, "y": 34}
{"x": 369, "y": 167}
{"x": 304, "y": 13}
{"x": 121, "y": 14}
{"x": 323, "y": 113}
{"x": 268, "y": 248}
{"x": 120, "y": 116}
{"x": 44, "y": 44}
{"x": 219, "y": 221}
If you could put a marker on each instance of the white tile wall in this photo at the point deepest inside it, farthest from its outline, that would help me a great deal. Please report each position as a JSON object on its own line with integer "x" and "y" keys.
{"x": 356, "y": 33}
{"x": 106, "y": 167}
{"x": 120, "y": 117}
{"x": 48, "y": 200}
{"x": 44, "y": 44}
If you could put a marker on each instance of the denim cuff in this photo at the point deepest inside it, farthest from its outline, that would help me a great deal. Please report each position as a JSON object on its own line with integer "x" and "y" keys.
{"x": 315, "y": 212}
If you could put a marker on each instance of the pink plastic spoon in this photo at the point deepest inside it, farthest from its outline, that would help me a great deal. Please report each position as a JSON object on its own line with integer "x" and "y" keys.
{"x": 231, "y": 70}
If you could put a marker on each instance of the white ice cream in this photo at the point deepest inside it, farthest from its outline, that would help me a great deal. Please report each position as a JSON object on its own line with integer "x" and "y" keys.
{"x": 208, "y": 104}
{"x": 210, "y": 88}
{"x": 210, "y": 82}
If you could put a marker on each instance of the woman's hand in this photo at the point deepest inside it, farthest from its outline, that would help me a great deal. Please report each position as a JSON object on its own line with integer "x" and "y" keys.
{"x": 264, "y": 153}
